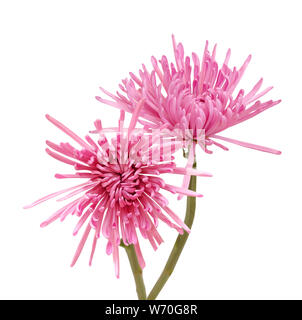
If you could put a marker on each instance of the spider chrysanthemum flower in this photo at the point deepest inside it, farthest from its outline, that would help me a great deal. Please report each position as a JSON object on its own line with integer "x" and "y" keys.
{"x": 194, "y": 98}
{"x": 122, "y": 193}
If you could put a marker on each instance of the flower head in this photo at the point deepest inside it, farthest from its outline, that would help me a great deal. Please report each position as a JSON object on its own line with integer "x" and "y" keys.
{"x": 194, "y": 96}
{"x": 121, "y": 194}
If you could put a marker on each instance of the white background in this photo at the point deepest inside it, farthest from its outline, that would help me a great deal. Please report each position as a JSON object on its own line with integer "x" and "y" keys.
{"x": 246, "y": 241}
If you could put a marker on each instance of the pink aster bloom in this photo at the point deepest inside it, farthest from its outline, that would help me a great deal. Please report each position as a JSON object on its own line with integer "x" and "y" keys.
{"x": 121, "y": 193}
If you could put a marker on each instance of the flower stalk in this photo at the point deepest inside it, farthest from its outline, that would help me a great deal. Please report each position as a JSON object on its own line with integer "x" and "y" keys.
{"x": 136, "y": 271}
{"x": 179, "y": 243}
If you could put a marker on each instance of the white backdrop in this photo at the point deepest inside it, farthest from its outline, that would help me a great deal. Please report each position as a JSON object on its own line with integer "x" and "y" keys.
{"x": 246, "y": 241}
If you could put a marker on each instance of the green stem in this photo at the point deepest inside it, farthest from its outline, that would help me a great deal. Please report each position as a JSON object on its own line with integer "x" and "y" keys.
{"x": 179, "y": 244}
{"x": 136, "y": 270}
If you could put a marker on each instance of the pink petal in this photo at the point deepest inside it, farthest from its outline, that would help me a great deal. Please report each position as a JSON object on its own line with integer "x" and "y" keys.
{"x": 247, "y": 145}
{"x": 81, "y": 245}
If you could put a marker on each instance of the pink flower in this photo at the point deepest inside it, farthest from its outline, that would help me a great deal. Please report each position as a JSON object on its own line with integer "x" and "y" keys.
{"x": 194, "y": 97}
{"x": 121, "y": 194}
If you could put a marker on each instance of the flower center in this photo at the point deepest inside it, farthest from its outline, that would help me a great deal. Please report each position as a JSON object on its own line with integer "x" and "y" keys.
{"x": 121, "y": 182}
